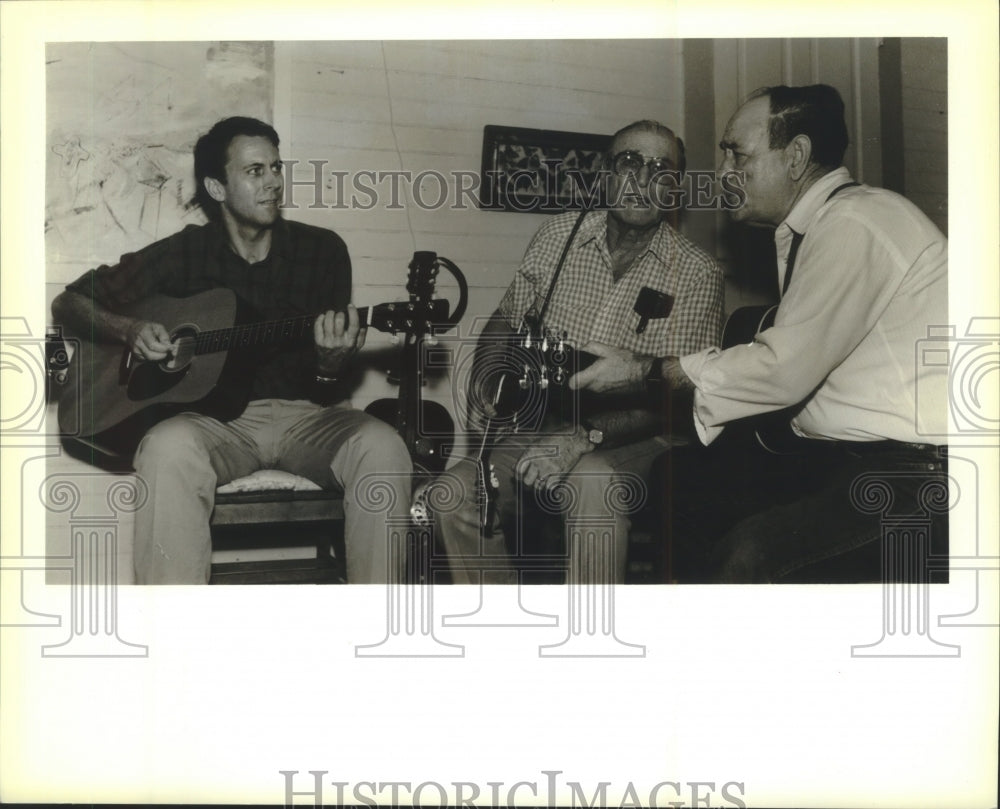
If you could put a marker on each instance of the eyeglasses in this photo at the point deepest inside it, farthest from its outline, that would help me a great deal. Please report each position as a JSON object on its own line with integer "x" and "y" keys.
{"x": 629, "y": 163}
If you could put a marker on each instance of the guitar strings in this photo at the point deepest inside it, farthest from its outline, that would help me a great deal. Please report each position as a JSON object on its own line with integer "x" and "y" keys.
{"x": 250, "y": 334}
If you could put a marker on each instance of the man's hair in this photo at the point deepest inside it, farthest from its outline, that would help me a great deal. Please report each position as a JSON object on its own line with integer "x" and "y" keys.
{"x": 656, "y": 128}
{"x": 816, "y": 111}
{"x": 211, "y": 153}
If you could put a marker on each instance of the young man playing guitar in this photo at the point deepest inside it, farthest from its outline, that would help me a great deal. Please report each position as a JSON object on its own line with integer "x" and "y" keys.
{"x": 296, "y": 418}
{"x": 607, "y": 265}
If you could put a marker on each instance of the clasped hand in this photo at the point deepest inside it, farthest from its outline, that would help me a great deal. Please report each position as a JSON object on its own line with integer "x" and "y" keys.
{"x": 550, "y": 458}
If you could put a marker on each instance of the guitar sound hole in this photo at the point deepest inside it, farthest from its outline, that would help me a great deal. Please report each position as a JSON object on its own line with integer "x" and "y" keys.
{"x": 150, "y": 379}
{"x": 184, "y": 340}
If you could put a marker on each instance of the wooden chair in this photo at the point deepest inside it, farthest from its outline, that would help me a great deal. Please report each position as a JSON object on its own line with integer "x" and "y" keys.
{"x": 276, "y": 510}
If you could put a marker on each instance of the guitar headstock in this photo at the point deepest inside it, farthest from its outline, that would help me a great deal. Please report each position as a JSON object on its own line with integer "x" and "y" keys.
{"x": 407, "y": 316}
{"x": 423, "y": 275}
{"x": 531, "y": 373}
{"x": 423, "y": 311}
{"x": 548, "y": 358}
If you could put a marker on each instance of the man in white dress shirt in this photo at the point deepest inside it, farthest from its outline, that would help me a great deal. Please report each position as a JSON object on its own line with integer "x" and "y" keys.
{"x": 864, "y": 275}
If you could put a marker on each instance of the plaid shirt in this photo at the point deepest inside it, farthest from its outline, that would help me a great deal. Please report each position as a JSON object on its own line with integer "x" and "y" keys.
{"x": 307, "y": 271}
{"x": 590, "y": 305}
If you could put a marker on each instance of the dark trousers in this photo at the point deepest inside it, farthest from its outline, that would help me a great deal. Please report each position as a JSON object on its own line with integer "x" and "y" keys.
{"x": 832, "y": 511}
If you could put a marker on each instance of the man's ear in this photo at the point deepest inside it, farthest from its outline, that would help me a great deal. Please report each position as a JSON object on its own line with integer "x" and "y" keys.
{"x": 799, "y": 152}
{"x": 215, "y": 189}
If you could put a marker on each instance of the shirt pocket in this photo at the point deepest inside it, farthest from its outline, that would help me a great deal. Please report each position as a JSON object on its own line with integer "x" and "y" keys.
{"x": 654, "y": 335}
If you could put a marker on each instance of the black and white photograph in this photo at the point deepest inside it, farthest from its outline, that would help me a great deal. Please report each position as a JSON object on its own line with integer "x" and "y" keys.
{"x": 404, "y": 415}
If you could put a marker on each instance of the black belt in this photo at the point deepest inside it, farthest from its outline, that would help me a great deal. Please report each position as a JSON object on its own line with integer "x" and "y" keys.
{"x": 880, "y": 447}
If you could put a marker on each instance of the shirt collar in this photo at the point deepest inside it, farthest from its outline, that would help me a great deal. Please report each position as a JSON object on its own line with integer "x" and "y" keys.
{"x": 662, "y": 242}
{"x": 595, "y": 227}
{"x": 800, "y": 217}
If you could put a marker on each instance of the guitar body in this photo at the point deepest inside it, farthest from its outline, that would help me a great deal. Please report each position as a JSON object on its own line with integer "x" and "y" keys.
{"x": 111, "y": 399}
{"x": 773, "y": 430}
{"x": 743, "y": 325}
{"x": 435, "y": 433}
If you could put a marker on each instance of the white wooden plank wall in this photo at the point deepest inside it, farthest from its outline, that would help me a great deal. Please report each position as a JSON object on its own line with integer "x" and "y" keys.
{"x": 925, "y": 125}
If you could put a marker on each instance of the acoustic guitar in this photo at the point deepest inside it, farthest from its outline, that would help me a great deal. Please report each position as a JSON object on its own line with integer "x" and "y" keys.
{"x": 426, "y": 427}
{"x": 111, "y": 398}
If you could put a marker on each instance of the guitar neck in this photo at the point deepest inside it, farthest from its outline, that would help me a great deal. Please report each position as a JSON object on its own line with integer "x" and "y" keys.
{"x": 263, "y": 333}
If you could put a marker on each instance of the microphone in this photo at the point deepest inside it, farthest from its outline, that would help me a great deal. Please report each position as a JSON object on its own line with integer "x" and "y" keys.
{"x": 651, "y": 304}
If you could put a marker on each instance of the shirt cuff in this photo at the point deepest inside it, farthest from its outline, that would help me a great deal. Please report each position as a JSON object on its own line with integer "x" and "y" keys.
{"x": 705, "y": 433}
{"x": 693, "y": 365}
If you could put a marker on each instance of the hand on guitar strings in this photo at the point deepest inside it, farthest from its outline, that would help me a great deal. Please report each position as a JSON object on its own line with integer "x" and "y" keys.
{"x": 337, "y": 336}
{"x": 616, "y": 370}
{"x": 150, "y": 341}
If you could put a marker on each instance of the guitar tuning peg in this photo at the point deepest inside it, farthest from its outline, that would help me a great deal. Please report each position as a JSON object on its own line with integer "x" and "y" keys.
{"x": 432, "y": 340}
{"x": 559, "y": 377}
{"x": 543, "y": 378}
{"x": 523, "y": 381}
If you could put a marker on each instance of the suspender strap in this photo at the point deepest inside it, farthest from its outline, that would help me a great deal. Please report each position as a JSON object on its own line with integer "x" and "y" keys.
{"x": 797, "y": 238}
{"x": 793, "y": 251}
{"x": 840, "y": 188}
{"x": 559, "y": 266}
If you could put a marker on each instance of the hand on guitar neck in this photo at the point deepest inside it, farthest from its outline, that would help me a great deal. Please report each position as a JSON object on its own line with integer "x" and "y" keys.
{"x": 337, "y": 335}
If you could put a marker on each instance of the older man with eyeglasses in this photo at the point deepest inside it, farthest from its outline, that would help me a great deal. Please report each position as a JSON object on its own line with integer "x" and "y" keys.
{"x": 625, "y": 278}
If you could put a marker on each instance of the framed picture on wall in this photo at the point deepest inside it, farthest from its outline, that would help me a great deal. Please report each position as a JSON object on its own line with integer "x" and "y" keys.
{"x": 540, "y": 170}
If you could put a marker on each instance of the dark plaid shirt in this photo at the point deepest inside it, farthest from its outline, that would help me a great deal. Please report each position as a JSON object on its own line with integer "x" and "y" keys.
{"x": 307, "y": 271}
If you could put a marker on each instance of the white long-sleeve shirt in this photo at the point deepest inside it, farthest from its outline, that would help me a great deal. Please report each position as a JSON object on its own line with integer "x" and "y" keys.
{"x": 870, "y": 278}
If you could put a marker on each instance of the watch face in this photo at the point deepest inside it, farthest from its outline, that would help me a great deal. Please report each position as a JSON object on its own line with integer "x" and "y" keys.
{"x": 595, "y": 436}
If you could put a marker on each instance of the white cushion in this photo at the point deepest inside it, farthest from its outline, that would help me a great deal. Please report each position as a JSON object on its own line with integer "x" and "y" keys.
{"x": 266, "y": 480}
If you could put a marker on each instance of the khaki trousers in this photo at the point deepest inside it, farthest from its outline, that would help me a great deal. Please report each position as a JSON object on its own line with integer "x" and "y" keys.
{"x": 183, "y": 459}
